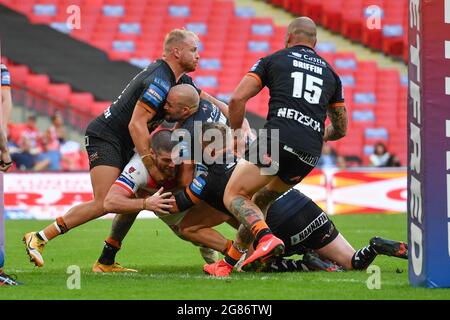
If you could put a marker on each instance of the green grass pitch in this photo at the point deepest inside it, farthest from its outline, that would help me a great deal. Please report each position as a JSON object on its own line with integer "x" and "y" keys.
{"x": 171, "y": 269}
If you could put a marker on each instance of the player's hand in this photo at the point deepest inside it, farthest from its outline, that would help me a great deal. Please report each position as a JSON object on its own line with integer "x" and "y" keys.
{"x": 159, "y": 202}
{"x": 242, "y": 139}
{"x": 5, "y": 161}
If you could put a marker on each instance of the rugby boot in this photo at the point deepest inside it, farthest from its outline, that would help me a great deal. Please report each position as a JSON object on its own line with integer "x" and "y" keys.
{"x": 218, "y": 269}
{"x": 390, "y": 247}
{"x": 106, "y": 268}
{"x": 315, "y": 263}
{"x": 272, "y": 246}
{"x": 8, "y": 280}
{"x": 34, "y": 247}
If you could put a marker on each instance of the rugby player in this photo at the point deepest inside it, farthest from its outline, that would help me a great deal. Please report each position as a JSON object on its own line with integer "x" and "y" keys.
{"x": 128, "y": 196}
{"x": 5, "y": 96}
{"x": 111, "y": 137}
{"x": 179, "y": 97}
{"x": 303, "y": 90}
{"x": 293, "y": 217}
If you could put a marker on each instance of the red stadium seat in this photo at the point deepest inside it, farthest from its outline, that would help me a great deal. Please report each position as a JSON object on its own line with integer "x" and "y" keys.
{"x": 37, "y": 84}
{"x": 98, "y": 107}
{"x": 18, "y": 74}
{"x": 332, "y": 16}
{"x": 60, "y": 92}
{"x": 81, "y": 104}
{"x": 352, "y": 21}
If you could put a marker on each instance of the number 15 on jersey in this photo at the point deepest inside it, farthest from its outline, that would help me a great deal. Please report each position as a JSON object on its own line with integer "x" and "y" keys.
{"x": 310, "y": 90}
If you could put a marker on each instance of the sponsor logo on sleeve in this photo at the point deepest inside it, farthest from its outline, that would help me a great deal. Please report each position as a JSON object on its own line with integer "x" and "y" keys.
{"x": 155, "y": 95}
{"x": 255, "y": 65}
{"x": 163, "y": 83}
{"x": 197, "y": 185}
{"x": 124, "y": 180}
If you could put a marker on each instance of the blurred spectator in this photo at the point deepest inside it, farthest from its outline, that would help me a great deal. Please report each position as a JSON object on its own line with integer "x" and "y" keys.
{"x": 31, "y": 132}
{"x": 69, "y": 150}
{"x": 382, "y": 158}
{"x": 71, "y": 158}
{"x": 23, "y": 157}
{"x": 341, "y": 162}
{"x": 50, "y": 156}
{"x": 328, "y": 157}
{"x": 57, "y": 130}
{"x": 394, "y": 161}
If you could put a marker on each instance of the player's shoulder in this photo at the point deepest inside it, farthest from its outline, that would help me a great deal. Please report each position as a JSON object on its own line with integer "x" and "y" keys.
{"x": 206, "y": 104}
{"x": 3, "y": 68}
{"x": 185, "y": 78}
{"x": 158, "y": 72}
{"x": 209, "y": 112}
{"x": 135, "y": 168}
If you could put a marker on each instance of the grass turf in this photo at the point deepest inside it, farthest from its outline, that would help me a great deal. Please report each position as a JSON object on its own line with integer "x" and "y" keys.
{"x": 171, "y": 269}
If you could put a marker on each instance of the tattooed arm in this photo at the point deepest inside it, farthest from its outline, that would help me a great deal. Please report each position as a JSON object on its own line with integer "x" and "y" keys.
{"x": 338, "y": 127}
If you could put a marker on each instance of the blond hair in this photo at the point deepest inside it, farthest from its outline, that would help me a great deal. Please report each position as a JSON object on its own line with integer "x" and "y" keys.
{"x": 175, "y": 37}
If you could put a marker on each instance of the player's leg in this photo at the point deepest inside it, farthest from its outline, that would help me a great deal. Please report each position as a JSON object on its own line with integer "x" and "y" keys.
{"x": 102, "y": 177}
{"x": 119, "y": 229}
{"x": 264, "y": 197}
{"x": 340, "y": 251}
{"x": 197, "y": 225}
{"x": 245, "y": 181}
{"x": 105, "y": 159}
{"x": 239, "y": 247}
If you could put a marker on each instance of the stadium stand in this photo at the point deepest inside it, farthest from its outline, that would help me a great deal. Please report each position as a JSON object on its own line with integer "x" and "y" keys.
{"x": 358, "y": 23}
{"x": 375, "y": 97}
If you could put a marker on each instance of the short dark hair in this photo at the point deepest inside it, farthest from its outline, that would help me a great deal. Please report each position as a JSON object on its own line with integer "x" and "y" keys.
{"x": 215, "y": 125}
{"x": 161, "y": 141}
{"x": 223, "y": 129}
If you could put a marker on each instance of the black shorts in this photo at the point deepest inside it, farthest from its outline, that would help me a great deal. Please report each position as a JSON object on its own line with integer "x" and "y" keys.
{"x": 310, "y": 228}
{"x": 104, "y": 148}
{"x": 289, "y": 164}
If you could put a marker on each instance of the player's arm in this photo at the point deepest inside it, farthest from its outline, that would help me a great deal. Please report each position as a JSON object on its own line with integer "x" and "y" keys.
{"x": 223, "y": 107}
{"x": 189, "y": 196}
{"x": 185, "y": 173}
{"x": 337, "y": 113}
{"x": 5, "y": 95}
{"x": 151, "y": 100}
{"x": 5, "y": 158}
{"x": 120, "y": 200}
{"x": 249, "y": 87}
{"x": 339, "y": 121}
{"x": 138, "y": 127}
{"x": 6, "y": 104}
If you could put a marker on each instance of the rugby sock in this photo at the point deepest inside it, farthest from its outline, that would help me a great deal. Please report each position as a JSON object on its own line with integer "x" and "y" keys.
{"x": 234, "y": 254}
{"x": 260, "y": 230}
{"x": 363, "y": 258}
{"x": 53, "y": 230}
{"x": 227, "y": 247}
{"x": 109, "y": 252}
